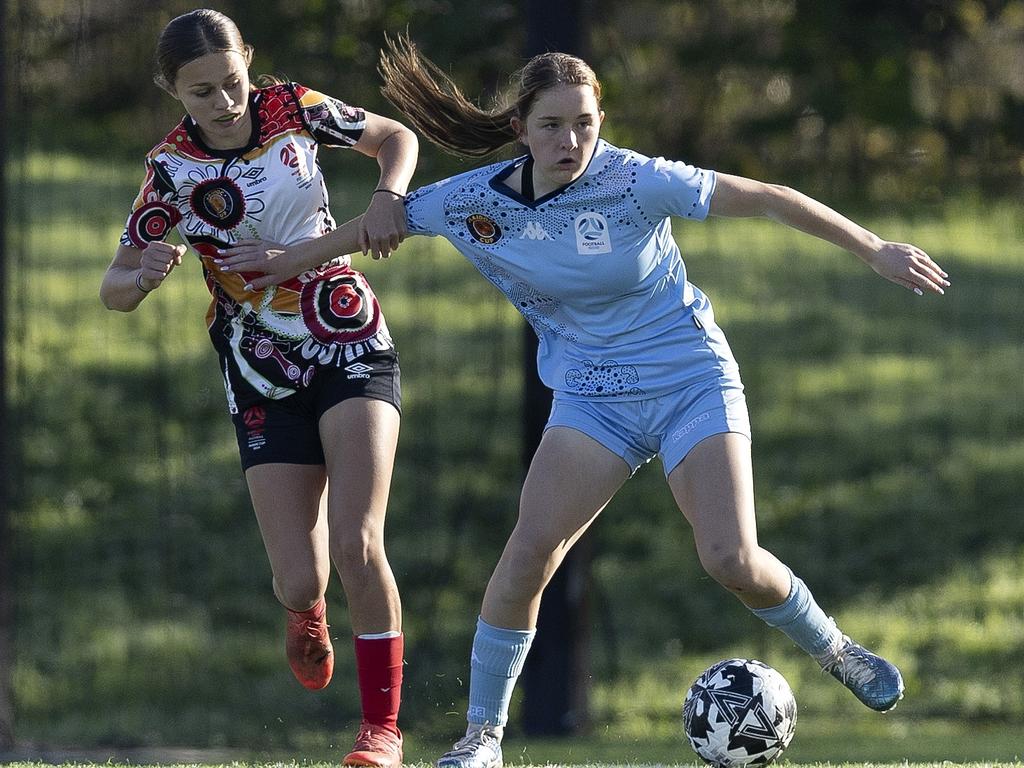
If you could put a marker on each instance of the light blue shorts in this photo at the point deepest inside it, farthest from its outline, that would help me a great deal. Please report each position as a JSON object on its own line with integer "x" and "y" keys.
{"x": 668, "y": 426}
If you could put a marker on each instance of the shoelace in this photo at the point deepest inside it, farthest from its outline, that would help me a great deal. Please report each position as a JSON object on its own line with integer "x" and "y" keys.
{"x": 468, "y": 743}
{"x": 313, "y": 628}
{"x": 376, "y": 740}
{"x": 852, "y": 664}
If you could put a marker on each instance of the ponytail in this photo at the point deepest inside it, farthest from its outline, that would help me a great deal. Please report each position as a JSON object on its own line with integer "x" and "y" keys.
{"x": 435, "y": 105}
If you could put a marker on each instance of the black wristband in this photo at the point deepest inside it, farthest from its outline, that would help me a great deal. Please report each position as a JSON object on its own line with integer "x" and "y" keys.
{"x": 399, "y": 195}
{"x": 138, "y": 283}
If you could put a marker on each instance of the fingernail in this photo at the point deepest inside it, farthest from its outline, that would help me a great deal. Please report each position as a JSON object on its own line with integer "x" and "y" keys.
{"x": 919, "y": 292}
{"x": 248, "y": 286}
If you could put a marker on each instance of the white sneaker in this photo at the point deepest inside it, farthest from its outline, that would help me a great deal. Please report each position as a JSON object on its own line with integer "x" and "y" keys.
{"x": 479, "y": 748}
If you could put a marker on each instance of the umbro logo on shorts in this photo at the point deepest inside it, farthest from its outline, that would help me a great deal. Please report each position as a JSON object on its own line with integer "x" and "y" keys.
{"x": 358, "y": 371}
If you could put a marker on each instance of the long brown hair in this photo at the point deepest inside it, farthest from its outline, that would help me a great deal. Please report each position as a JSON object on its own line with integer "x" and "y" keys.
{"x": 192, "y": 35}
{"x": 439, "y": 110}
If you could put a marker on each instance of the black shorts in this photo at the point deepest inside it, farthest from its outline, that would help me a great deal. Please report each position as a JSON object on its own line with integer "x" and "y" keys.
{"x": 287, "y": 430}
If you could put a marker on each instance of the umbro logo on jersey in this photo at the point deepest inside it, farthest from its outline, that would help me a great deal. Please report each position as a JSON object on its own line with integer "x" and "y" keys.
{"x": 358, "y": 371}
{"x": 534, "y": 231}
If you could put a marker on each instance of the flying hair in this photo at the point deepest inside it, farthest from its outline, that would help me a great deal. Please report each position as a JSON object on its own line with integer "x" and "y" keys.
{"x": 433, "y": 103}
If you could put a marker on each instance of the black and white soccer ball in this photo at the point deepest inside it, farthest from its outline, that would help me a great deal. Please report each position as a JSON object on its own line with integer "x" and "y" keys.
{"x": 739, "y": 712}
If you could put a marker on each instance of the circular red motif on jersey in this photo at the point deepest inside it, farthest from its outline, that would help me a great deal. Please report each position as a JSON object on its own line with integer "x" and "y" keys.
{"x": 483, "y": 228}
{"x": 151, "y": 222}
{"x": 345, "y": 302}
{"x": 340, "y": 308}
{"x": 218, "y": 202}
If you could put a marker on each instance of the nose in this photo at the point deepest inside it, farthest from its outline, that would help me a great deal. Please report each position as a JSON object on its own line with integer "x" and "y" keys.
{"x": 224, "y": 100}
{"x": 569, "y": 139}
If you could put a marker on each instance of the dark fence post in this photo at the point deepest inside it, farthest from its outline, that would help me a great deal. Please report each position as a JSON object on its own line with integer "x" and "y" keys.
{"x": 555, "y": 681}
{"x": 6, "y": 572}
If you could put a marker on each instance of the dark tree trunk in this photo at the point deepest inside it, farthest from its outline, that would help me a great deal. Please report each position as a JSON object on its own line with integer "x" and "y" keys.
{"x": 555, "y": 681}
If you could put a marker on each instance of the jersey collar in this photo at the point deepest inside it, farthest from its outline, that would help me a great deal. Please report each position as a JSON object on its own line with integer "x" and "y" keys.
{"x": 254, "y": 134}
{"x": 497, "y": 182}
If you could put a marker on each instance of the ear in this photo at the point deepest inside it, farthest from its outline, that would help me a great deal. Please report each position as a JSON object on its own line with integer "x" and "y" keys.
{"x": 247, "y": 53}
{"x": 519, "y": 129}
{"x": 165, "y": 86}
{"x": 600, "y": 118}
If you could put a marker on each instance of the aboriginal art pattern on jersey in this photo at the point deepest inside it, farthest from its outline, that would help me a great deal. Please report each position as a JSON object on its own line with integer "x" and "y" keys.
{"x": 271, "y": 341}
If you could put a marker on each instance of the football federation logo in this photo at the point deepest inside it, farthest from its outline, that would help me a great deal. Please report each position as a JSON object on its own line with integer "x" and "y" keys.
{"x": 483, "y": 228}
{"x": 592, "y": 234}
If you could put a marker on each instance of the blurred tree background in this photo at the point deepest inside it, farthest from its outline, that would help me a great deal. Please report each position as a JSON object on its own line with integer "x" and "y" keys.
{"x": 888, "y": 430}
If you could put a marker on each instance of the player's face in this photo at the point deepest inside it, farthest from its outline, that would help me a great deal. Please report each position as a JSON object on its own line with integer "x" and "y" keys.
{"x": 561, "y": 132}
{"x": 215, "y": 91}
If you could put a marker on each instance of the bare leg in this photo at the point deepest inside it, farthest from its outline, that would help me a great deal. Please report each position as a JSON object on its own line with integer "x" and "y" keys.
{"x": 360, "y": 437}
{"x": 571, "y": 479}
{"x": 287, "y": 499}
{"x": 714, "y": 488}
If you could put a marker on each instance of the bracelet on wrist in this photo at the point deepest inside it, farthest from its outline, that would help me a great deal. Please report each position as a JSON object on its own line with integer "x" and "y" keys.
{"x": 138, "y": 283}
{"x": 399, "y": 195}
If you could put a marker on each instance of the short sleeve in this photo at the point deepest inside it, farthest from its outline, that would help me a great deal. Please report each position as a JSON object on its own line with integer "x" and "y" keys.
{"x": 153, "y": 215}
{"x": 424, "y": 210}
{"x": 332, "y": 122}
{"x": 674, "y": 188}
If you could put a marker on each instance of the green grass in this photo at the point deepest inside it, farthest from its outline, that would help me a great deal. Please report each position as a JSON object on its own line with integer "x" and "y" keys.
{"x": 889, "y": 473}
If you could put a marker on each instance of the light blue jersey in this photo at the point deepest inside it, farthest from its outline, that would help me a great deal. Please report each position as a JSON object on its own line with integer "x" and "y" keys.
{"x": 594, "y": 269}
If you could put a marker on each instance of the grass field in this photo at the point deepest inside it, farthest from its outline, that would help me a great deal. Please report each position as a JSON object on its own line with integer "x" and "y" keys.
{"x": 889, "y": 451}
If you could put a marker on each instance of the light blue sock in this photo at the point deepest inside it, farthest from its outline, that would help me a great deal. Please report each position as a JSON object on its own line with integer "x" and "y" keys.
{"x": 497, "y": 660}
{"x": 803, "y": 622}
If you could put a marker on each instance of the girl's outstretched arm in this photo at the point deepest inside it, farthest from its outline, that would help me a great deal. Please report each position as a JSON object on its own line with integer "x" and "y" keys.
{"x": 902, "y": 263}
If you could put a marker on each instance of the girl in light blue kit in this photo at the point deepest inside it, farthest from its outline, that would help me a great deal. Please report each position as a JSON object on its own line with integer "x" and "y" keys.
{"x": 577, "y": 233}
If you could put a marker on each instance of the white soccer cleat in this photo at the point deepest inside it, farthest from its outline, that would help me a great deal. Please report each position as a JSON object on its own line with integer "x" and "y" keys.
{"x": 479, "y": 748}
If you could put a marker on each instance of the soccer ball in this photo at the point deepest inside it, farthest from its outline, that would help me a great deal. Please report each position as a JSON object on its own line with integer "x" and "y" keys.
{"x": 739, "y": 712}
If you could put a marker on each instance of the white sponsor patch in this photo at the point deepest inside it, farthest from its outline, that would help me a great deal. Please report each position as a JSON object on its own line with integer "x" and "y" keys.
{"x": 592, "y": 234}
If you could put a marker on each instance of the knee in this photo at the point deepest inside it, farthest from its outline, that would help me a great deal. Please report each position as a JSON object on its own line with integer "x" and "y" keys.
{"x": 356, "y": 556}
{"x": 532, "y": 559}
{"x": 732, "y": 567}
{"x": 299, "y": 589}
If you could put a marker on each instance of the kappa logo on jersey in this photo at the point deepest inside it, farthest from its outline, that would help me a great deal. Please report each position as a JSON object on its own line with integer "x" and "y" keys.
{"x": 483, "y": 228}
{"x": 592, "y": 234}
{"x": 534, "y": 231}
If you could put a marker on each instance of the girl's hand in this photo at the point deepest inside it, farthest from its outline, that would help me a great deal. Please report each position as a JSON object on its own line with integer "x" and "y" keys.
{"x": 383, "y": 227}
{"x": 274, "y": 262}
{"x": 156, "y": 263}
{"x": 909, "y": 266}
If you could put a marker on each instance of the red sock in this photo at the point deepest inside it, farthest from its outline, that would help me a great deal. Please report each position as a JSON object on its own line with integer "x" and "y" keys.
{"x": 379, "y": 665}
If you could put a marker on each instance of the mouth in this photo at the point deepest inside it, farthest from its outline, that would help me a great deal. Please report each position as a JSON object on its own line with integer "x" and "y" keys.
{"x": 228, "y": 119}
{"x": 566, "y": 163}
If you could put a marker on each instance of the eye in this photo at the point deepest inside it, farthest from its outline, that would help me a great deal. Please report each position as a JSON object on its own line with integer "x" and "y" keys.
{"x": 202, "y": 94}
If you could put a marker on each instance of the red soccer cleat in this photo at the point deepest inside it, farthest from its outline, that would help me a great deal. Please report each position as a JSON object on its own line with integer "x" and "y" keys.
{"x": 376, "y": 747}
{"x": 308, "y": 645}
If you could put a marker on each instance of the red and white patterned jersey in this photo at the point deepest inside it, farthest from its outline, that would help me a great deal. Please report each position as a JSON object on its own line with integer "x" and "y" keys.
{"x": 271, "y": 341}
